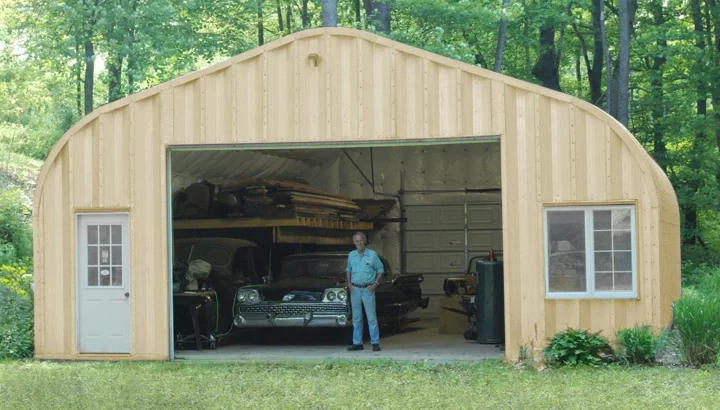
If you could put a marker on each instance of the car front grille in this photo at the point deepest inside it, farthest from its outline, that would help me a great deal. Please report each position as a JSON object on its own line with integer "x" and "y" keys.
{"x": 295, "y": 309}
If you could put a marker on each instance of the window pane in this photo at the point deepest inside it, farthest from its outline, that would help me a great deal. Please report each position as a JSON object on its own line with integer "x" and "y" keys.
{"x": 623, "y": 261}
{"x": 92, "y": 233}
{"x": 601, "y": 219}
{"x": 623, "y": 281}
{"x": 621, "y": 219}
{"x": 117, "y": 234}
{"x": 116, "y": 255}
{"x": 92, "y": 255}
{"x": 603, "y": 262}
{"x": 566, "y": 272}
{"x": 117, "y": 276}
{"x": 621, "y": 240}
{"x": 604, "y": 281}
{"x": 92, "y": 276}
{"x": 104, "y": 234}
{"x": 603, "y": 241}
{"x": 566, "y": 243}
{"x": 104, "y": 255}
{"x": 104, "y": 276}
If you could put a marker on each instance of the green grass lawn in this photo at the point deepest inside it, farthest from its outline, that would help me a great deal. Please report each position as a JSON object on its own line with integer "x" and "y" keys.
{"x": 344, "y": 384}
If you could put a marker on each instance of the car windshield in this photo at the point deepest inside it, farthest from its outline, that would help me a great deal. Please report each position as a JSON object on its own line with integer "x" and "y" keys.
{"x": 314, "y": 267}
{"x": 210, "y": 254}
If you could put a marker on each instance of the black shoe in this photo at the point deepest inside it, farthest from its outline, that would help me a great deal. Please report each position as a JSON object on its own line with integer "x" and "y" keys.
{"x": 355, "y": 347}
{"x": 376, "y": 348}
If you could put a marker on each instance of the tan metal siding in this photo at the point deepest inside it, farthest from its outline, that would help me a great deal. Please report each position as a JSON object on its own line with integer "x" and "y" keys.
{"x": 554, "y": 149}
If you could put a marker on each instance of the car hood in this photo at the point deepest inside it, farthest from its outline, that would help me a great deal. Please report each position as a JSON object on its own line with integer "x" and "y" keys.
{"x": 312, "y": 287}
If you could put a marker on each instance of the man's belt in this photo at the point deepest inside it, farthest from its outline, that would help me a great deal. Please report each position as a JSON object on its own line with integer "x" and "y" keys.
{"x": 355, "y": 285}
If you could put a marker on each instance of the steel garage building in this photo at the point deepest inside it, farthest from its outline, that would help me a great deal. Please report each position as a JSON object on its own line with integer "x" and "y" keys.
{"x": 477, "y": 159}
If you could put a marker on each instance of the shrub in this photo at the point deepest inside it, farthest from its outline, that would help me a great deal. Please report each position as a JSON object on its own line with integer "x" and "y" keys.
{"x": 637, "y": 345}
{"x": 572, "y": 347}
{"x": 697, "y": 318}
{"x": 15, "y": 226}
{"x": 16, "y": 313}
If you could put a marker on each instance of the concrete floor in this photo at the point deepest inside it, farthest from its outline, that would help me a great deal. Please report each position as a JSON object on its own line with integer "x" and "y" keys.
{"x": 420, "y": 341}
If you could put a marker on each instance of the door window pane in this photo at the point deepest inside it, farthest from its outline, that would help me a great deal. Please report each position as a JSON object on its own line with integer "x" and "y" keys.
{"x": 92, "y": 255}
{"x": 117, "y": 234}
{"x": 104, "y": 234}
{"x": 116, "y": 255}
{"x": 92, "y": 231}
{"x": 104, "y": 255}
{"x": 104, "y": 276}
{"x": 92, "y": 276}
{"x": 117, "y": 276}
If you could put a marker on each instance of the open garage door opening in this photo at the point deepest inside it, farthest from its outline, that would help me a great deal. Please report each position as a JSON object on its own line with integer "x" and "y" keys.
{"x": 261, "y": 234}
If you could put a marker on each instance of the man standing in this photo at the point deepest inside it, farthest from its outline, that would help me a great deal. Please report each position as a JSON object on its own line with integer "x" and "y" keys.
{"x": 364, "y": 270}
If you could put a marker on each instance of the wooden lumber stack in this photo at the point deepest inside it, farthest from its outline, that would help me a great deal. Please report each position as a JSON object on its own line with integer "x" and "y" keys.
{"x": 265, "y": 198}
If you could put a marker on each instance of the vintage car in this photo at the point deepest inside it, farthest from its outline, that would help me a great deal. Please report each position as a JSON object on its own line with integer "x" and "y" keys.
{"x": 312, "y": 292}
{"x": 234, "y": 263}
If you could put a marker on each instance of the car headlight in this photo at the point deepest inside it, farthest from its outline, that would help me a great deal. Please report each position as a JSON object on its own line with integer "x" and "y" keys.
{"x": 335, "y": 294}
{"x": 248, "y": 296}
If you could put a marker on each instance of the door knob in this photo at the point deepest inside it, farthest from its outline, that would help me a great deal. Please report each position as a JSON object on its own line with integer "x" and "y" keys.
{"x": 127, "y": 294}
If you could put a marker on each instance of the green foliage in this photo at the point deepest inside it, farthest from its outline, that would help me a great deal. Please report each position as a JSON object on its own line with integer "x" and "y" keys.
{"x": 16, "y": 313}
{"x": 577, "y": 347}
{"x": 15, "y": 226}
{"x": 697, "y": 317}
{"x": 637, "y": 345}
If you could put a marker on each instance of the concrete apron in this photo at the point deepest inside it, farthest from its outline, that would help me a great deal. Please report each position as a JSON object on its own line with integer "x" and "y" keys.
{"x": 421, "y": 341}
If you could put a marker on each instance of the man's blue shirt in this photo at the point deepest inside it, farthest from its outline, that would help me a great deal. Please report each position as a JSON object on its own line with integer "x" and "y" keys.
{"x": 364, "y": 268}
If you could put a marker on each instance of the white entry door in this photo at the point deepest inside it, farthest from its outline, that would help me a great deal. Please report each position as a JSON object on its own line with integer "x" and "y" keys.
{"x": 103, "y": 283}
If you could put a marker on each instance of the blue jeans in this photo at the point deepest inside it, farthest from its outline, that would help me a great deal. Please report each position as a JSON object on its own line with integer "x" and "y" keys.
{"x": 359, "y": 298}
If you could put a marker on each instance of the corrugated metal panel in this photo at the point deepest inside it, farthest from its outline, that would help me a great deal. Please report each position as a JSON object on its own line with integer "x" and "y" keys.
{"x": 555, "y": 149}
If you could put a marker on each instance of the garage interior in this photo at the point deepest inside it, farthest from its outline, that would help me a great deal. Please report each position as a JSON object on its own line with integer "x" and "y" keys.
{"x": 428, "y": 207}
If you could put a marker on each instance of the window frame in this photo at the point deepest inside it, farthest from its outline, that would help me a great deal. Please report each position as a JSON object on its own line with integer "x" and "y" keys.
{"x": 590, "y": 292}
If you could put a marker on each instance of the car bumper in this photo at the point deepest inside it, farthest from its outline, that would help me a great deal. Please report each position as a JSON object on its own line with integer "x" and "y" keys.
{"x": 293, "y": 315}
{"x": 251, "y": 320}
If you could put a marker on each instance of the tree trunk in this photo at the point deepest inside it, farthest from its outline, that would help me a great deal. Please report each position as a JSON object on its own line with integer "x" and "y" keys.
{"x": 356, "y": 6}
{"x": 656, "y": 88}
{"x": 305, "y": 19}
{"x": 690, "y": 209}
{"x": 526, "y": 35}
{"x": 608, "y": 67}
{"x": 624, "y": 70}
{"x": 288, "y": 18}
{"x": 546, "y": 68}
{"x": 89, "y": 73}
{"x": 714, "y": 81}
{"x": 78, "y": 81}
{"x": 502, "y": 29}
{"x": 595, "y": 73}
{"x": 281, "y": 23}
{"x": 131, "y": 58}
{"x": 378, "y": 12}
{"x": 115, "y": 77}
{"x": 261, "y": 29}
{"x": 329, "y": 13}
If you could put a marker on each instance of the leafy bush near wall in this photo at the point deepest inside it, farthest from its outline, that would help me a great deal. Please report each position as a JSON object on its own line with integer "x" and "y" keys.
{"x": 573, "y": 347}
{"x": 16, "y": 312}
{"x": 637, "y": 345}
{"x": 697, "y": 318}
{"x": 15, "y": 226}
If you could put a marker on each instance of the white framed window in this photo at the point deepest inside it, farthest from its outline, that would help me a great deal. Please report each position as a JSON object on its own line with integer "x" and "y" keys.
{"x": 590, "y": 252}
